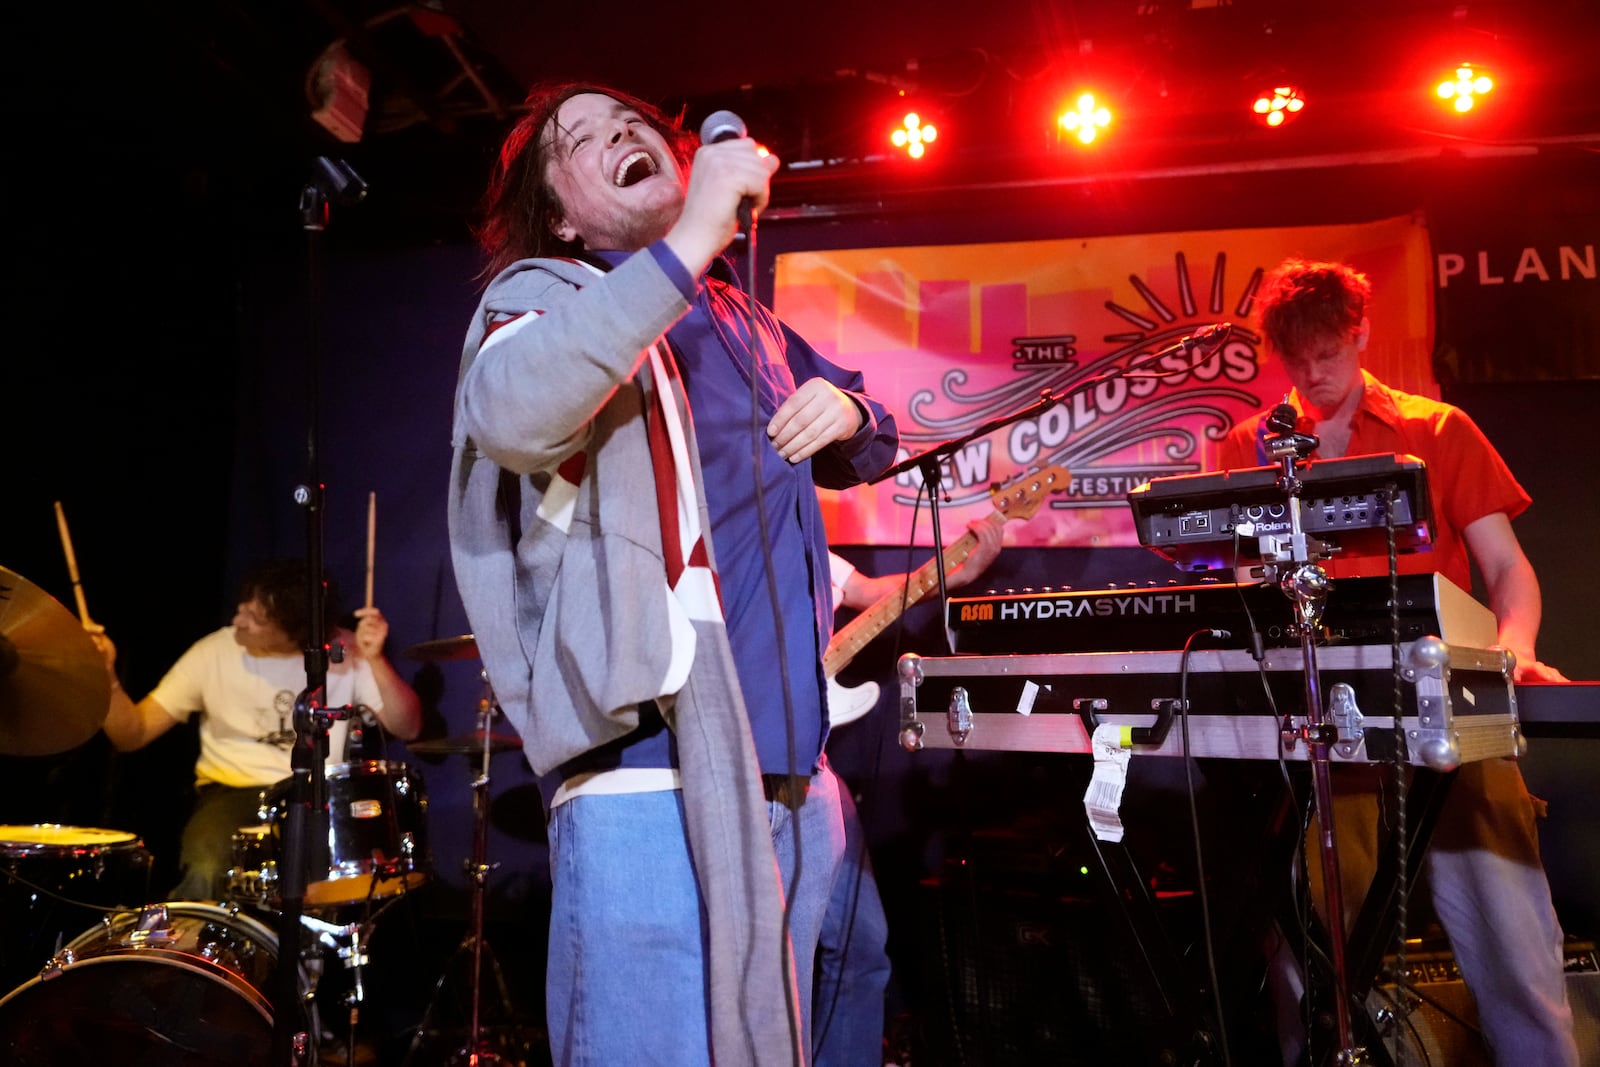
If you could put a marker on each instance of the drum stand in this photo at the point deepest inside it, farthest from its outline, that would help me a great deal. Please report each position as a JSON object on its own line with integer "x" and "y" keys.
{"x": 1293, "y": 561}
{"x": 473, "y": 945}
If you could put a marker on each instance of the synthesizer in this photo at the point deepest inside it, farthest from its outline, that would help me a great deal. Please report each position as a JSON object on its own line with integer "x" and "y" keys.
{"x": 1559, "y": 709}
{"x": 1212, "y": 521}
{"x": 1152, "y": 617}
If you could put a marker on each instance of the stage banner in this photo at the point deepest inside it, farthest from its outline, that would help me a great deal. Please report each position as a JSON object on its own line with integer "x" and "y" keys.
{"x": 952, "y": 337}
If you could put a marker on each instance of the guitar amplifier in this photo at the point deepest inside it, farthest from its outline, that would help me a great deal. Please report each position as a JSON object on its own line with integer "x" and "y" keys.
{"x": 1456, "y": 703}
{"x": 1442, "y": 1027}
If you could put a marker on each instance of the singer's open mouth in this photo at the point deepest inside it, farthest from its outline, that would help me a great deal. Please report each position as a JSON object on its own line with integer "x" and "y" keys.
{"x": 635, "y": 168}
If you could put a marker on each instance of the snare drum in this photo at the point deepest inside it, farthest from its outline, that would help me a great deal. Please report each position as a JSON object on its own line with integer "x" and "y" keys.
{"x": 182, "y": 984}
{"x": 377, "y": 838}
{"x": 55, "y": 880}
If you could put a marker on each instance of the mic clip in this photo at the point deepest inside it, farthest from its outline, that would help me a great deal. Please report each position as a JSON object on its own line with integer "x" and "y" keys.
{"x": 1208, "y": 340}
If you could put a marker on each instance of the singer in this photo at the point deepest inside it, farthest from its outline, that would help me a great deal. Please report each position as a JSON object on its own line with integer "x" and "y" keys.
{"x": 649, "y": 589}
{"x": 1489, "y": 886}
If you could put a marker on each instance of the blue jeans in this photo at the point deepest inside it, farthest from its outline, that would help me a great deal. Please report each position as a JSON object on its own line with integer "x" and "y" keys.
{"x": 852, "y": 960}
{"x": 626, "y": 978}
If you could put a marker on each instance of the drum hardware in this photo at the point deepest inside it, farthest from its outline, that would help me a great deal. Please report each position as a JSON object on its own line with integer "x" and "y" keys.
{"x": 348, "y": 941}
{"x": 475, "y": 1051}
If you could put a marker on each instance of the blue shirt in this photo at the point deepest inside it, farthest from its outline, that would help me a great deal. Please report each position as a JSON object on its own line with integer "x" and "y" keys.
{"x": 716, "y": 357}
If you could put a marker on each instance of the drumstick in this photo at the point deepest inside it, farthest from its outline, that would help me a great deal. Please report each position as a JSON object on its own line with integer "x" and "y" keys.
{"x": 72, "y": 567}
{"x": 372, "y": 537}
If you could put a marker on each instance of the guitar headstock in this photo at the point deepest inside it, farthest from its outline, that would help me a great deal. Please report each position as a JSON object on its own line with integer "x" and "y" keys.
{"x": 1020, "y": 498}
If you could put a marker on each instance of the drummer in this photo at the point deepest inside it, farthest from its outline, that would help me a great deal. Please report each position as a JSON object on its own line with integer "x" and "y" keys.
{"x": 243, "y": 681}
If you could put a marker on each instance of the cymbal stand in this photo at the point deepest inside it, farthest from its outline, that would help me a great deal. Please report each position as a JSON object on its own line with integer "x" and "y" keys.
{"x": 1293, "y": 561}
{"x": 477, "y": 868}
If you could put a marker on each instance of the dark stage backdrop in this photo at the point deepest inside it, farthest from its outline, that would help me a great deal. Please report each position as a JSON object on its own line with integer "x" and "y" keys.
{"x": 165, "y": 406}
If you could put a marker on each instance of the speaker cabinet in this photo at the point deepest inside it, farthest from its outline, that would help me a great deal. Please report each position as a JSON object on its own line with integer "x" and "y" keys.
{"x": 1023, "y": 962}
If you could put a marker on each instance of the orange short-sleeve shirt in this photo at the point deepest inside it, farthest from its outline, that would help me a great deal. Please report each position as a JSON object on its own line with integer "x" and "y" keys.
{"x": 1467, "y": 479}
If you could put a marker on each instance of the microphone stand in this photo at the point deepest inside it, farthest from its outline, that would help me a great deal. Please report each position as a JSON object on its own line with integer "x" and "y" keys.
{"x": 1294, "y": 562}
{"x": 305, "y": 838}
{"x": 928, "y": 462}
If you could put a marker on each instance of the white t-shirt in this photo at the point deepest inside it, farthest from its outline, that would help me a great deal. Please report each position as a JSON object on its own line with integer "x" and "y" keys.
{"x": 246, "y": 706}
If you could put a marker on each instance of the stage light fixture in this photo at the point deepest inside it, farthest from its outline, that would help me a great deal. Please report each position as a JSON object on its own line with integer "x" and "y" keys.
{"x": 1086, "y": 120}
{"x": 914, "y": 135}
{"x": 1279, "y": 105}
{"x": 337, "y": 87}
{"x": 1463, "y": 90}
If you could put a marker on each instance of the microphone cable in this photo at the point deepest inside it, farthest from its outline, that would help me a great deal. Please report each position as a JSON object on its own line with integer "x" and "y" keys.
{"x": 757, "y": 441}
{"x": 1199, "y": 851}
{"x": 721, "y": 126}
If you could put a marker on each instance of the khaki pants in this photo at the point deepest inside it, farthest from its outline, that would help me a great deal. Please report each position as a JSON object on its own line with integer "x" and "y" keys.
{"x": 1489, "y": 891}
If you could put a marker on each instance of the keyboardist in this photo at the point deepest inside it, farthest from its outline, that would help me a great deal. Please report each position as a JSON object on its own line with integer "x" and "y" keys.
{"x": 1489, "y": 887}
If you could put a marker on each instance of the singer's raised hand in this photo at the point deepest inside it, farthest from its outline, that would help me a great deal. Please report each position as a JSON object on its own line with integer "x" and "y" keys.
{"x": 723, "y": 174}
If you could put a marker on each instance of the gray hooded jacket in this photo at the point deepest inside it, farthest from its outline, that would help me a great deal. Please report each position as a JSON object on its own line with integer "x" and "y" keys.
{"x": 566, "y": 595}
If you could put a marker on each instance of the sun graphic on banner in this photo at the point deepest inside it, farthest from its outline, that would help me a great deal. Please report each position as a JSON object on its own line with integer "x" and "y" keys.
{"x": 1157, "y": 329}
{"x": 1141, "y": 407}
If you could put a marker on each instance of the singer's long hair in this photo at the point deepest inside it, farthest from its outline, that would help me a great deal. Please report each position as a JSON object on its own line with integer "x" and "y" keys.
{"x": 519, "y": 205}
{"x": 1306, "y": 301}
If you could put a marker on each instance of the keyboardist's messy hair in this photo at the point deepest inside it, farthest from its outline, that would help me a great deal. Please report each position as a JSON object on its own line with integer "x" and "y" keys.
{"x": 1305, "y": 301}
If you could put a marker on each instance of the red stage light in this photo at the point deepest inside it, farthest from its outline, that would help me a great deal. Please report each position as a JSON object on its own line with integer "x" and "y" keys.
{"x": 1463, "y": 90}
{"x": 914, "y": 135}
{"x": 1279, "y": 105}
{"x": 1086, "y": 120}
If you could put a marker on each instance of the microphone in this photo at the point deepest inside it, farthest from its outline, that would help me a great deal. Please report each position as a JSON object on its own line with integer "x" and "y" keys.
{"x": 722, "y": 126}
{"x": 1283, "y": 418}
{"x": 1206, "y": 340}
{"x": 1222, "y": 634}
{"x": 726, "y": 126}
{"x": 1278, "y": 438}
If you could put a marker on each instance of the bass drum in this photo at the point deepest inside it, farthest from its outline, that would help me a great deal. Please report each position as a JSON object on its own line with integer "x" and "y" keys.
{"x": 54, "y": 881}
{"x": 183, "y": 984}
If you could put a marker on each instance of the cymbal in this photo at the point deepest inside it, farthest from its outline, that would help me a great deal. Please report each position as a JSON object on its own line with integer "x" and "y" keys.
{"x": 53, "y": 686}
{"x": 463, "y": 647}
{"x": 466, "y": 744}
